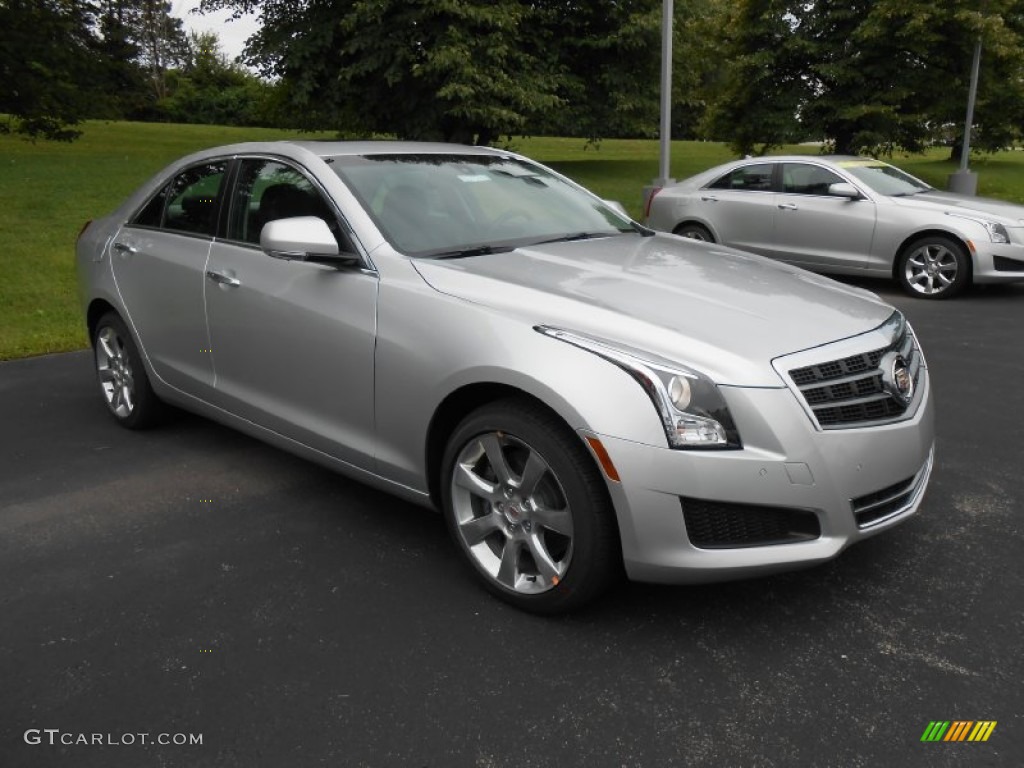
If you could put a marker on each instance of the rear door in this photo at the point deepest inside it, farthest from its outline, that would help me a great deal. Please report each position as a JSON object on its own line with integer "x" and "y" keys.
{"x": 740, "y": 206}
{"x": 158, "y": 261}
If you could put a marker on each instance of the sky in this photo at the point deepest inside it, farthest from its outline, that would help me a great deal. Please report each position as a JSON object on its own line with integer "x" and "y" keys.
{"x": 232, "y": 34}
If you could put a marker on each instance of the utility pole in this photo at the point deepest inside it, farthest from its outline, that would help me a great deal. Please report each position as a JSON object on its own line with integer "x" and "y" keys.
{"x": 665, "y": 138}
{"x": 964, "y": 181}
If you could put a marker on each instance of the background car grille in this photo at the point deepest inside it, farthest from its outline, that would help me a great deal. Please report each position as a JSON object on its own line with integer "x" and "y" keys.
{"x": 849, "y": 391}
{"x": 715, "y": 524}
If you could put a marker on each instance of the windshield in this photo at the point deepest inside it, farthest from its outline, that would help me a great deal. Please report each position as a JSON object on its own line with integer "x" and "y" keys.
{"x": 433, "y": 204}
{"x": 883, "y": 178}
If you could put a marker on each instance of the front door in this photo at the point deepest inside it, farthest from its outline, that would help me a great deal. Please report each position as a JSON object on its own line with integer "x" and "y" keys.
{"x": 816, "y": 229}
{"x": 293, "y": 342}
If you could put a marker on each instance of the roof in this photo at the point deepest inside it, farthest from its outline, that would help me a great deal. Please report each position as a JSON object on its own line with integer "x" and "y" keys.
{"x": 335, "y": 148}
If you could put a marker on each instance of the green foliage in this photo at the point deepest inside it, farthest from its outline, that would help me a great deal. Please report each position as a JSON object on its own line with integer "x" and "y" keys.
{"x": 62, "y": 61}
{"x": 764, "y": 86}
{"x": 212, "y": 90}
{"x": 872, "y": 75}
{"x": 474, "y": 70}
{"x": 459, "y": 70}
{"x": 43, "y": 86}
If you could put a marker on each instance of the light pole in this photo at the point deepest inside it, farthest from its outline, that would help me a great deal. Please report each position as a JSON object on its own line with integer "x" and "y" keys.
{"x": 665, "y": 150}
{"x": 964, "y": 181}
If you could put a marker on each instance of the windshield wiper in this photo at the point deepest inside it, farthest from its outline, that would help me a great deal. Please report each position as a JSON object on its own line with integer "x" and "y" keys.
{"x": 572, "y": 237}
{"x": 461, "y": 253}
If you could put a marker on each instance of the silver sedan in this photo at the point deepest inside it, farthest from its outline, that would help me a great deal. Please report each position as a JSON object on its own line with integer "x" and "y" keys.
{"x": 471, "y": 331}
{"x": 852, "y": 216}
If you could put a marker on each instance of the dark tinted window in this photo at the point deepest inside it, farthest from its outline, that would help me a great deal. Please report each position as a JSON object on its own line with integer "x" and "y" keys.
{"x": 153, "y": 214}
{"x": 267, "y": 190}
{"x": 756, "y": 178}
{"x": 806, "y": 179}
{"x": 189, "y": 203}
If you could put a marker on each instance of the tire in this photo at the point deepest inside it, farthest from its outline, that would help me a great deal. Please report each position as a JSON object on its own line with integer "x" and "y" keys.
{"x": 550, "y": 548}
{"x": 934, "y": 267}
{"x": 694, "y": 232}
{"x": 122, "y": 377}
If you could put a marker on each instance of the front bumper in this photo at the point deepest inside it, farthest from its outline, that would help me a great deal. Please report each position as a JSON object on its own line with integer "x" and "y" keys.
{"x": 998, "y": 263}
{"x": 786, "y": 463}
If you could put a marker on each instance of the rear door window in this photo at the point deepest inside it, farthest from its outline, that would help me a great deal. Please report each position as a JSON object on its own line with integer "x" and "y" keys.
{"x": 753, "y": 178}
{"x": 189, "y": 203}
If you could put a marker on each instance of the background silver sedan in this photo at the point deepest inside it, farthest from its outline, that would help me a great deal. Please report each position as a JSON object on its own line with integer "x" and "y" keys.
{"x": 469, "y": 330}
{"x": 849, "y": 215}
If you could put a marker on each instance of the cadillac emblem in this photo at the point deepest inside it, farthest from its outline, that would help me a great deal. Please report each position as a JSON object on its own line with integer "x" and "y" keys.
{"x": 896, "y": 377}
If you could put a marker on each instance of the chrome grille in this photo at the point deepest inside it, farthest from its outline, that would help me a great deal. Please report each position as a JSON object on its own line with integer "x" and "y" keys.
{"x": 849, "y": 391}
{"x": 875, "y": 508}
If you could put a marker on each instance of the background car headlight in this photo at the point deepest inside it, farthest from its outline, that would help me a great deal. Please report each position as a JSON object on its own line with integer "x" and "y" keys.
{"x": 692, "y": 409}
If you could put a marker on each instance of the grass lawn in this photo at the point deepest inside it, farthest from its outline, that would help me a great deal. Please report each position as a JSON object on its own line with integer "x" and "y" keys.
{"x": 48, "y": 192}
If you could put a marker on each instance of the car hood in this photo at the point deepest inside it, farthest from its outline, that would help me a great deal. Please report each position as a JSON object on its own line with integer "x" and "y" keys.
{"x": 726, "y": 312}
{"x": 1009, "y": 214}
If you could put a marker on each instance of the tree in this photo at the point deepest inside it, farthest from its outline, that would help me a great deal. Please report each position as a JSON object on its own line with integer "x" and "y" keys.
{"x": 121, "y": 88}
{"x": 160, "y": 39}
{"x": 763, "y": 86}
{"x": 210, "y": 89}
{"x": 605, "y": 67}
{"x": 866, "y": 74}
{"x": 47, "y": 63}
{"x": 460, "y": 70}
{"x": 463, "y": 70}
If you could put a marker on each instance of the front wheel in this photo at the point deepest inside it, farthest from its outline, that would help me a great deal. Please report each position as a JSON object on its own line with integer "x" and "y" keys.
{"x": 528, "y": 508}
{"x": 934, "y": 267}
{"x": 121, "y": 375}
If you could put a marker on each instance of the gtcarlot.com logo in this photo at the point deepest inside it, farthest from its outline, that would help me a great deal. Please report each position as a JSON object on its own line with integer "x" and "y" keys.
{"x": 56, "y": 737}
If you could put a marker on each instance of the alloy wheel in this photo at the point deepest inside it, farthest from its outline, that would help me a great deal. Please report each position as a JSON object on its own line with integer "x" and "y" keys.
{"x": 931, "y": 269}
{"x": 511, "y": 513}
{"x": 117, "y": 380}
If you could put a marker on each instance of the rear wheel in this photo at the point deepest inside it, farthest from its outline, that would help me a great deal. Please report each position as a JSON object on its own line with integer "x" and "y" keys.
{"x": 529, "y": 509}
{"x": 934, "y": 267}
{"x": 694, "y": 232}
{"x": 122, "y": 378}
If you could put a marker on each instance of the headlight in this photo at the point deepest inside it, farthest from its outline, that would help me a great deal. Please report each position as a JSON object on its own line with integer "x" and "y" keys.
{"x": 692, "y": 410}
{"x": 996, "y": 232}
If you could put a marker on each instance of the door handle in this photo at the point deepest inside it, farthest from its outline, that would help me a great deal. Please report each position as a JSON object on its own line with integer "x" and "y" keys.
{"x": 125, "y": 249}
{"x": 787, "y": 207}
{"x": 221, "y": 279}
{"x": 709, "y": 198}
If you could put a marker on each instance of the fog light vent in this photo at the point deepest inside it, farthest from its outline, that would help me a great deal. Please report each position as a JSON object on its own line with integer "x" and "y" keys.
{"x": 717, "y": 524}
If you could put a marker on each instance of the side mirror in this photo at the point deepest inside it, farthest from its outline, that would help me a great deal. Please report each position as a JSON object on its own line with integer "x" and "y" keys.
{"x": 844, "y": 189}
{"x": 302, "y": 238}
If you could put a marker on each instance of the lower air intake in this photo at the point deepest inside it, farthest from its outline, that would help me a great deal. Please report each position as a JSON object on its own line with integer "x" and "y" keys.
{"x": 718, "y": 525}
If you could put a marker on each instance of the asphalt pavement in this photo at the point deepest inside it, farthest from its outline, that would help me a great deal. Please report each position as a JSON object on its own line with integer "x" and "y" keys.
{"x": 191, "y": 581}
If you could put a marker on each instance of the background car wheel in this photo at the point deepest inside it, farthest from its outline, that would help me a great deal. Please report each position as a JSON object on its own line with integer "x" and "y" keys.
{"x": 121, "y": 375}
{"x": 934, "y": 267}
{"x": 529, "y": 509}
{"x": 694, "y": 232}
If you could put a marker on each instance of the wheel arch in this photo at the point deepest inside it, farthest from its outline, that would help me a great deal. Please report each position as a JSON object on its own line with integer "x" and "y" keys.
{"x": 688, "y": 220}
{"x": 450, "y": 413}
{"x": 97, "y": 309}
{"x": 911, "y": 239}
